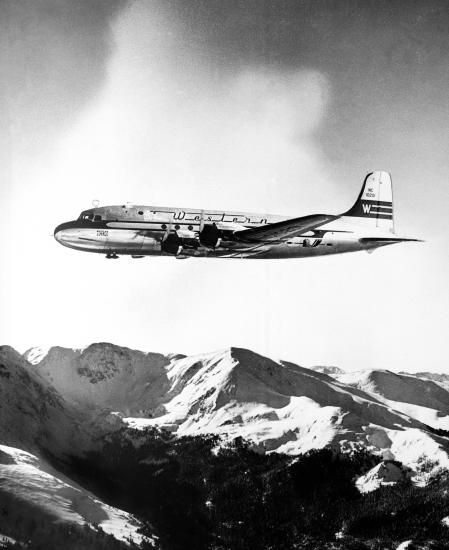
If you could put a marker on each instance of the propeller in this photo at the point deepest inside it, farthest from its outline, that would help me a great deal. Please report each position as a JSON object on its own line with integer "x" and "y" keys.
{"x": 168, "y": 230}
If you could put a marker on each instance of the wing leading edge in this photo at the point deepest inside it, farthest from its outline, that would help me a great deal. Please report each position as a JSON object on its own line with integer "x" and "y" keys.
{"x": 283, "y": 230}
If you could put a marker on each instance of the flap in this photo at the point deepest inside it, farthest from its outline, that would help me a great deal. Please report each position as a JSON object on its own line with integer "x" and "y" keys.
{"x": 283, "y": 230}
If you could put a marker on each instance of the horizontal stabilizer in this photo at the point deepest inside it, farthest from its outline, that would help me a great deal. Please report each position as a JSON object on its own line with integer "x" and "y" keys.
{"x": 283, "y": 230}
{"x": 387, "y": 240}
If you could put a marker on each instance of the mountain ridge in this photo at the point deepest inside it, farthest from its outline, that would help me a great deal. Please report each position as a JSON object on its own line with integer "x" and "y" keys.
{"x": 235, "y": 392}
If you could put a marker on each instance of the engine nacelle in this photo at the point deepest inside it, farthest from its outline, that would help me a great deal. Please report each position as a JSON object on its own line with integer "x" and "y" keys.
{"x": 171, "y": 244}
{"x": 209, "y": 235}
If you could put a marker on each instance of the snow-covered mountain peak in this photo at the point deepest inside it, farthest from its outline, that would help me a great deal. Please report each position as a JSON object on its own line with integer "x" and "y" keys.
{"x": 36, "y": 354}
{"x": 235, "y": 392}
{"x": 220, "y": 369}
{"x": 276, "y": 405}
{"x": 397, "y": 387}
{"x": 330, "y": 370}
{"x": 441, "y": 379}
{"x": 196, "y": 368}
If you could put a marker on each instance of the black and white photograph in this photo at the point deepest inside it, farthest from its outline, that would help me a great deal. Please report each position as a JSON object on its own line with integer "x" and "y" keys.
{"x": 224, "y": 274}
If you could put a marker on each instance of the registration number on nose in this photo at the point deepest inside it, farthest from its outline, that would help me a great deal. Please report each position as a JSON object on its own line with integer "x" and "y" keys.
{"x": 102, "y": 232}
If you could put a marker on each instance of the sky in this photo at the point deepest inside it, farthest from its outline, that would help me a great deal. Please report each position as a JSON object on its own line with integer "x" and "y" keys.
{"x": 261, "y": 106}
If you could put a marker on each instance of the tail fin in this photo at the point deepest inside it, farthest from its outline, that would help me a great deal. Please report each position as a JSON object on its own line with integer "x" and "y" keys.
{"x": 374, "y": 206}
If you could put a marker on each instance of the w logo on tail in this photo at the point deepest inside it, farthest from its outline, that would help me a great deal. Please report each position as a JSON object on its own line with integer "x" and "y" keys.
{"x": 366, "y": 208}
{"x": 374, "y": 205}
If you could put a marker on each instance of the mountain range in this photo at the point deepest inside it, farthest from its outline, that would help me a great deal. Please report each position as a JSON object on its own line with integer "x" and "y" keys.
{"x": 60, "y": 403}
{"x": 278, "y": 406}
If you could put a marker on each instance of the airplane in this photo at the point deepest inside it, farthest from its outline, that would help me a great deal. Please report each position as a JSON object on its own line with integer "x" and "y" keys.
{"x": 140, "y": 231}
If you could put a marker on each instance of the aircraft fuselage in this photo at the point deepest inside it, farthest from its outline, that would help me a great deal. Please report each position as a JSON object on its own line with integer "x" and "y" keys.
{"x": 187, "y": 232}
{"x": 141, "y": 230}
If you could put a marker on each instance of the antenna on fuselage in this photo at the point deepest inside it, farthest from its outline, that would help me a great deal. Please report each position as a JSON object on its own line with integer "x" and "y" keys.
{"x": 95, "y": 203}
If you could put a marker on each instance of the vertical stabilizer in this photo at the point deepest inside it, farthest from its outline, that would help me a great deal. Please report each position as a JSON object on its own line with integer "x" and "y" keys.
{"x": 374, "y": 206}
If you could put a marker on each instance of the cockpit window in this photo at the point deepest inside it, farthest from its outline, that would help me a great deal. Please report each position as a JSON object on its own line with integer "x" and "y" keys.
{"x": 97, "y": 218}
{"x": 86, "y": 215}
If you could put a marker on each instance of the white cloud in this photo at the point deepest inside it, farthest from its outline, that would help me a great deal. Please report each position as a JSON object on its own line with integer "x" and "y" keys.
{"x": 165, "y": 129}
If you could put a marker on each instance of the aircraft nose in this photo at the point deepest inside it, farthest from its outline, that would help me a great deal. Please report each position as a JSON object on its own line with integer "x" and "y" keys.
{"x": 57, "y": 231}
{"x": 61, "y": 233}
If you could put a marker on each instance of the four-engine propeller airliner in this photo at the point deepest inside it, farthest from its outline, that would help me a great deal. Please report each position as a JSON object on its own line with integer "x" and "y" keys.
{"x": 141, "y": 231}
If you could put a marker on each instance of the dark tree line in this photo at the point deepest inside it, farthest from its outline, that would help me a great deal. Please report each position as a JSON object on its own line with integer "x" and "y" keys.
{"x": 194, "y": 493}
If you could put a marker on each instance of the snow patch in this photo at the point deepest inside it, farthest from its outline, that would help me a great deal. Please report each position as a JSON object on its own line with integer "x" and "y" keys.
{"x": 37, "y": 354}
{"x": 385, "y": 473}
{"x": 426, "y": 415}
{"x": 4, "y": 540}
{"x": 26, "y": 479}
{"x": 330, "y": 370}
{"x": 411, "y": 446}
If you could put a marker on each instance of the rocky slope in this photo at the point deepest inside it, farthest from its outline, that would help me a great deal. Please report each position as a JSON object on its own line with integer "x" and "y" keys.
{"x": 104, "y": 376}
{"x": 438, "y": 378}
{"x": 33, "y": 415}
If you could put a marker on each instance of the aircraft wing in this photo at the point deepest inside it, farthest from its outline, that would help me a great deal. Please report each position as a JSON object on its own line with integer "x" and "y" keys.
{"x": 283, "y": 230}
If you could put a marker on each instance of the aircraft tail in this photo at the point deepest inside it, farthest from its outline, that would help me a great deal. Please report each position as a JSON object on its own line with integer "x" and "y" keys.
{"x": 374, "y": 206}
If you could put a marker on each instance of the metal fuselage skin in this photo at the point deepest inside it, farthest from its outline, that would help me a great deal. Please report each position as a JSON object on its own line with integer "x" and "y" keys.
{"x": 140, "y": 231}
